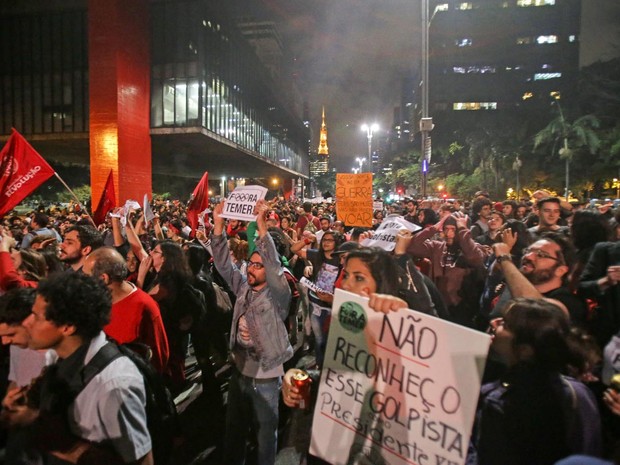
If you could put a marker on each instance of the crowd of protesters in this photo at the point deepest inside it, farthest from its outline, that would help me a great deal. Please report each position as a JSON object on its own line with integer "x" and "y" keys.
{"x": 541, "y": 275}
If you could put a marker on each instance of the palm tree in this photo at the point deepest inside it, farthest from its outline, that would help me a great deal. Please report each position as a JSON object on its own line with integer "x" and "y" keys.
{"x": 575, "y": 137}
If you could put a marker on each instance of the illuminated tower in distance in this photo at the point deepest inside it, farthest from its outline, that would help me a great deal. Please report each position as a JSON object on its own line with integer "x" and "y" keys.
{"x": 321, "y": 163}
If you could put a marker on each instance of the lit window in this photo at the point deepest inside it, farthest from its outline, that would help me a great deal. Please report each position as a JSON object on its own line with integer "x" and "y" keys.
{"x": 527, "y": 95}
{"x": 550, "y": 39}
{"x": 524, "y": 40}
{"x": 468, "y": 106}
{"x": 442, "y": 7}
{"x": 465, "y": 6}
{"x": 480, "y": 69}
{"x": 555, "y": 94}
{"x": 535, "y": 2}
{"x": 545, "y": 76}
{"x": 463, "y": 42}
{"x": 458, "y": 69}
{"x": 572, "y": 38}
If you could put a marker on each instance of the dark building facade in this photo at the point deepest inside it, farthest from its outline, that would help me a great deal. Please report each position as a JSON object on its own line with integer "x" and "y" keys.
{"x": 494, "y": 56}
{"x": 204, "y": 101}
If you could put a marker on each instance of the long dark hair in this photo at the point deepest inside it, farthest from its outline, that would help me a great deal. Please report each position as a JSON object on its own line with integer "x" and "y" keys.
{"x": 33, "y": 265}
{"x": 175, "y": 270}
{"x": 382, "y": 266}
{"x": 536, "y": 411}
{"x": 589, "y": 228}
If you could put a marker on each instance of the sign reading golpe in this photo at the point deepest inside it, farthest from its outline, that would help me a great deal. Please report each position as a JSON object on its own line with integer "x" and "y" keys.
{"x": 396, "y": 389}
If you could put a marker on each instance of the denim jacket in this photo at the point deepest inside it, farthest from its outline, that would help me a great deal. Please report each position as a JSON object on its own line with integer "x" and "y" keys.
{"x": 266, "y": 312}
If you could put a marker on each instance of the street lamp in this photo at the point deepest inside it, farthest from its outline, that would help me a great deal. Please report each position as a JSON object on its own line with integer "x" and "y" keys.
{"x": 564, "y": 152}
{"x": 517, "y": 166}
{"x": 369, "y": 130}
{"x": 360, "y": 161}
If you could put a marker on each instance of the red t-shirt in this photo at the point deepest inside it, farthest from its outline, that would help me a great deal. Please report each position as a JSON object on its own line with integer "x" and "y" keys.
{"x": 304, "y": 220}
{"x": 137, "y": 318}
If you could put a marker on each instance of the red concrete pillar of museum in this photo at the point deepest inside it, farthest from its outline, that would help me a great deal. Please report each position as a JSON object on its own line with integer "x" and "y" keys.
{"x": 288, "y": 187}
{"x": 119, "y": 97}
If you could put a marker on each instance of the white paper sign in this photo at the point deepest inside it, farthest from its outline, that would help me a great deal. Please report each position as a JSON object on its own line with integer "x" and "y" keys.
{"x": 241, "y": 202}
{"x": 377, "y": 205}
{"x": 385, "y": 235}
{"x": 313, "y": 287}
{"x": 396, "y": 389}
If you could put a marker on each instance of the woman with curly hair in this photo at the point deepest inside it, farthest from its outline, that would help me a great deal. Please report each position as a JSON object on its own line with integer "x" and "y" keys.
{"x": 169, "y": 285}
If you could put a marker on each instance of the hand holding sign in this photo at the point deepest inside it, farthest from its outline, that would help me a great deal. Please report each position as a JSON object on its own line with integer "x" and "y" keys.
{"x": 241, "y": 203}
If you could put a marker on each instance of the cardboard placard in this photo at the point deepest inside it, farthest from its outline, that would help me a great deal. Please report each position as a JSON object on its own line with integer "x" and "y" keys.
{"x": 396, "y": 389}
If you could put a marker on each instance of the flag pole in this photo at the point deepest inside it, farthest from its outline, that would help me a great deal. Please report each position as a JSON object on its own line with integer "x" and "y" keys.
{"x": 76, "y": 198}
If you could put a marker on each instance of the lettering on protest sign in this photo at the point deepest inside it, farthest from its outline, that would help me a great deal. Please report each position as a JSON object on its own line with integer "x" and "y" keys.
{"x": 385, "y": 235}
{"x": 241, "y": 202}
{"x": 354, "y": 199}
{"x": 313, "y": 287}
{"x": 396, "y": 389}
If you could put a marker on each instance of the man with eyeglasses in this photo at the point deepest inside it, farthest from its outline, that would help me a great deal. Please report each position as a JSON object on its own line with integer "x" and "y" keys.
{"x": 549, "y": 212}
{"x": 259, "y": 341}
{"x": 545, "y": 268}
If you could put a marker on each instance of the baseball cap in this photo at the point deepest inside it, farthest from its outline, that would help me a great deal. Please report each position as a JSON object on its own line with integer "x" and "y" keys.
{"x": 347, "y": 247}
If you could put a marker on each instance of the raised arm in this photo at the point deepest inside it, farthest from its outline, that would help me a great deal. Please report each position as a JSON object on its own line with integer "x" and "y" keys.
{"x": 134, "y": 241}
{"x": 517, "y": 283}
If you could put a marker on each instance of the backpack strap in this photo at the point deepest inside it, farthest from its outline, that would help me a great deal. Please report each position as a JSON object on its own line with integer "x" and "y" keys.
{"x": 106, "y": 355}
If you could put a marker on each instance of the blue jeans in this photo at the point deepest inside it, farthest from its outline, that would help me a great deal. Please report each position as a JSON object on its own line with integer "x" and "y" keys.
{"x": 252, "y": 402}
{"x": 319, "y": 329}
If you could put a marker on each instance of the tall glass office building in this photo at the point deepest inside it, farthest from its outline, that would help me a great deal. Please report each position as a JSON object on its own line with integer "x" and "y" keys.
{"x": 211, "y": 100}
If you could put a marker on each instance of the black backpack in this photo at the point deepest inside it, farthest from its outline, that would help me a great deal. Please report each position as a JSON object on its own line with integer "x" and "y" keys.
{"x": 161, "y": 414}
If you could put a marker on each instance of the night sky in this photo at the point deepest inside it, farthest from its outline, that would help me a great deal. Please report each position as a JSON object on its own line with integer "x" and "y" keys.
{"x": 352, "y": 54}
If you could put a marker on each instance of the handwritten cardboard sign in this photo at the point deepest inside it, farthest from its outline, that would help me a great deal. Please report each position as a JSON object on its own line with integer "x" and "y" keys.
{"x": 354, "y": 199}
{"x": 396, "y": 389}
{"x": 385, "y": 235}
{"x": 241, "y": 202}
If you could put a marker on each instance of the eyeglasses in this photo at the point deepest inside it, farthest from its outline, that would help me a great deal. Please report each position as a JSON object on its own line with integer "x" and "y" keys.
{"x": 257, "y": 265}
{"x": 328, "y": 240}
{"x": 157, "y": 252}
{"x": 494, "y": 325}
{"x": 540, "y": 254}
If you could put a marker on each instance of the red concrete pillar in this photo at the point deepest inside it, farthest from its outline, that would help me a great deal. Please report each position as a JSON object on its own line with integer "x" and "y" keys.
{"x": 287, "y": 187}
{"x": 119, "y": 97}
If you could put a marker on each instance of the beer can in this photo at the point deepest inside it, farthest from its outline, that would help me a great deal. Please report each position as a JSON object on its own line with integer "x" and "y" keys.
{"x": 302, "y": 381}
{"x": 615, "y": 382}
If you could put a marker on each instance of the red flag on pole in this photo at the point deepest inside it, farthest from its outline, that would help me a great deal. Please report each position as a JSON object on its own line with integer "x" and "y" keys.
{"x": 198, "y": 202}
{"x": 107, "y": 201}
{"x": 22, "y": 170}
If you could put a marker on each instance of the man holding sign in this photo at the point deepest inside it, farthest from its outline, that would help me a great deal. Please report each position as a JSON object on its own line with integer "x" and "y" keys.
{"x": 258, "y": 339}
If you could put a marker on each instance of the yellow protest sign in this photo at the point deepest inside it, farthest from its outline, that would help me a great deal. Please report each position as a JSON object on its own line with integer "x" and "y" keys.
{"x": 354, "y": 199}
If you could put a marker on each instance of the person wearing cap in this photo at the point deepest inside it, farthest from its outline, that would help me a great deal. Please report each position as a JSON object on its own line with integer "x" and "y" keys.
{"x": 342, "y": 252}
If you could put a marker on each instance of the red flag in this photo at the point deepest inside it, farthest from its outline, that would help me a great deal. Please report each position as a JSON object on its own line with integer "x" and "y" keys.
{"x": 22, "y": 170}
{"x": 198, "y": 202}
{"x": 107, "y": 201}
